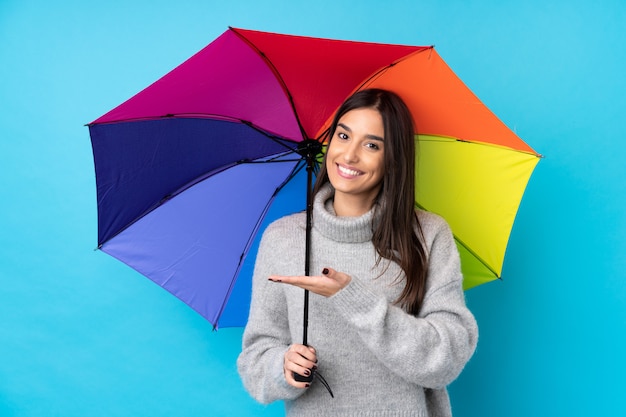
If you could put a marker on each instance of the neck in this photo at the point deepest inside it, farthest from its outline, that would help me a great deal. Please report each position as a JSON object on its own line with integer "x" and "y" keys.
{"x": 351, "y": 206}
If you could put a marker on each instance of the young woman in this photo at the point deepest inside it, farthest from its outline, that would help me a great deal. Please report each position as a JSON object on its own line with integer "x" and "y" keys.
{"x": 388, "y": 324}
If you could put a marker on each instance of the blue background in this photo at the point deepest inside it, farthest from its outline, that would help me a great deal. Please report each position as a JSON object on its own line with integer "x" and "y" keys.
{"x": 82, "y": 334}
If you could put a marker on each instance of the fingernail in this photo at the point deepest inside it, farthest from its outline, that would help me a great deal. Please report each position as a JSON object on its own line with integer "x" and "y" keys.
{"x": 307, "y": 385}
{"x": 307, "y": 372}
{"x": 325, "y": 271}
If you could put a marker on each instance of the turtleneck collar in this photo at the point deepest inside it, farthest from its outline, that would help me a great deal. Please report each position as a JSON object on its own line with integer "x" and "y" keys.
{"x": 340, "y": 229}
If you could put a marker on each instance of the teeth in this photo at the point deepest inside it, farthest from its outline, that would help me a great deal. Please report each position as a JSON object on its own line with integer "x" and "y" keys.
{"x": 347, "y": 171}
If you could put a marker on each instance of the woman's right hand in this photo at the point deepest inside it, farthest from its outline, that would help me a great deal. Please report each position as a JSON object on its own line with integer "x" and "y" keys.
{"x": 300, "y": 359}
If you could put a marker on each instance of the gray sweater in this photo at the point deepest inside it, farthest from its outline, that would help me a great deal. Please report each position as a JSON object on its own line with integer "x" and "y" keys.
{"x": 379, "y": 360}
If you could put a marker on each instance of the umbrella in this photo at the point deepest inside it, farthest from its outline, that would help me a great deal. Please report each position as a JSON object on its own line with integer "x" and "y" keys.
{"x": 191, "y": 169}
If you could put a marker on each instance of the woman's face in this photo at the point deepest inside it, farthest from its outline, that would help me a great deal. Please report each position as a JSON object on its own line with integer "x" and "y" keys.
{"x": 355, "y": 159}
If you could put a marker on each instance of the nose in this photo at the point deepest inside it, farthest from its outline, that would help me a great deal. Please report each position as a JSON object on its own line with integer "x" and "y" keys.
{"x": 351, "y": 152}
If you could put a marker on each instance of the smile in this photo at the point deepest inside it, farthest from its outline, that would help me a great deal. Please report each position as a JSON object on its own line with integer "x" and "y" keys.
{"x": 348, "y": 172}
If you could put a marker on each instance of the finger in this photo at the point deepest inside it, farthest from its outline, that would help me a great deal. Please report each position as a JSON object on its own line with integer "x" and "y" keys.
{"x": 302, "y": 355}
{"x": 293, "y": 280}
{"x": 292, "y": 368}
{"x": 289, "y": 371}
{"x": 322, "y": 285}
{"x": 298, "y": 364}
{"x": 307, "y": 283}
{"x": 342, "y": 279}
{"x": 298, "y": 359}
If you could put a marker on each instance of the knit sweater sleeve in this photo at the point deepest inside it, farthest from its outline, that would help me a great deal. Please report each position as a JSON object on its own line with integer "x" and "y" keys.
{"x": 266, "y": 337}
{"x": 431, "y": 349}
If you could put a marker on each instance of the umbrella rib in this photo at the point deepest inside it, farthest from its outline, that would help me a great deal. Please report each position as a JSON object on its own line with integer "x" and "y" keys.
{"x": 467, "y": 248}
{"x": 171, "y": 195}
{"x": 279, "y": 78}
{"x": 271, "y": 137}
{"x": 277, "y": 139}
{"x": 380, "y": 71}
{"x": 475, "y": 255}
{"x": 429, "y": 137}
{"x": 295, "y": 172}
{"x": 253, "y": 233}
{"x": 170, "y": 116}
{"x": 195, "y": 181}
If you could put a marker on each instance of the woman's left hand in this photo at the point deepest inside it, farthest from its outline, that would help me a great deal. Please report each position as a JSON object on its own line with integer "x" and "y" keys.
{"x": 327, "y": 284}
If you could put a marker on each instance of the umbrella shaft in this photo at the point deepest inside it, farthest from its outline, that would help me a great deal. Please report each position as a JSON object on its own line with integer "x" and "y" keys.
{"x": 305, "y": 327}
{"x": 310, "y": 161}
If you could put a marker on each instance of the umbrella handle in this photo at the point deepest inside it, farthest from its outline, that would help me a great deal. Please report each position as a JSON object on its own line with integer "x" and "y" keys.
{"x": 302, "y": 378}
{"x": 316, "y": 374}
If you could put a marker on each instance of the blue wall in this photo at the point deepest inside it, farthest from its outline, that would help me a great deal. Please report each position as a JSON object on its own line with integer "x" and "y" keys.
{"x": 81, "y": 334}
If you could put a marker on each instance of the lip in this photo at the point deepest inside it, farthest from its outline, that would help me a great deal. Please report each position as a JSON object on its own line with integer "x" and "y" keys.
{"x": 348, "y": 172}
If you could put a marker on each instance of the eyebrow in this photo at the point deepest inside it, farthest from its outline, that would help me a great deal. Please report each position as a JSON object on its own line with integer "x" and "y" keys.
{"x": 369, "y": 136}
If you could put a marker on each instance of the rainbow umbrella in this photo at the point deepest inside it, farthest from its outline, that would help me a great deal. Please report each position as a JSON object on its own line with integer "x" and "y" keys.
{"x": 191, "y": 169}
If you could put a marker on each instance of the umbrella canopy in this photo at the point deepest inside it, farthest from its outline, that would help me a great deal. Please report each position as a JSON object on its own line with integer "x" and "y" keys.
{"x": 191, "y": 169}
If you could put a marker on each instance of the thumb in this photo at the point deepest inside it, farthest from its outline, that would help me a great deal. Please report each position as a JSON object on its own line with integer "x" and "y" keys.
{"x": 342, "y": 278}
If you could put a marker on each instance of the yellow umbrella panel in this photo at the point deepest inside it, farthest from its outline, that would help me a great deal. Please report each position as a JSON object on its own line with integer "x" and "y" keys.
{"x": 477, "y": 188}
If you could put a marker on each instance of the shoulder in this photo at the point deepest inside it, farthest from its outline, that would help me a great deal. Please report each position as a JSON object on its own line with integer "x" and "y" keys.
{"x": 285, "y": 227}
{"x": 429, "y": 217}
{"x": 443, "y": 254}
{"x": 288, "y": 222}
{"x": 284, "y": 236}
{"x": 436, "y": 231}
{"x": 432, "y": 223}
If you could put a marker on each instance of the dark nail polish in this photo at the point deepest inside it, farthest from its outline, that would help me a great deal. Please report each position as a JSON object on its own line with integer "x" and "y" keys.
{"x": 325, "y": 271}
{"x": 307, "y": 372}
{"x": 307, "y": 385}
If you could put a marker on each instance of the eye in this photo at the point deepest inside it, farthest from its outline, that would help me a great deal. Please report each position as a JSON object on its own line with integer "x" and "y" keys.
{"x": 342, "y": 135}
{"x": 372, "y": 145}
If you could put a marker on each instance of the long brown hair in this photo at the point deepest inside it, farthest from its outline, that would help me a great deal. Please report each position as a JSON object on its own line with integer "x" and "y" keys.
{"x": 398, "y": 236}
